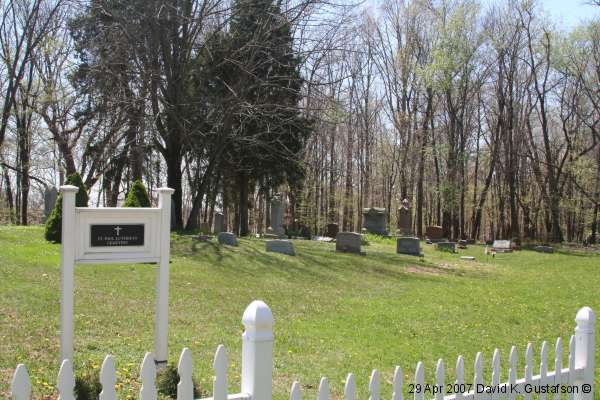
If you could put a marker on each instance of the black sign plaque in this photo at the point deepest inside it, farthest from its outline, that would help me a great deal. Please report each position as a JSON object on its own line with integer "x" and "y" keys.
{"x": 117, "y": 235}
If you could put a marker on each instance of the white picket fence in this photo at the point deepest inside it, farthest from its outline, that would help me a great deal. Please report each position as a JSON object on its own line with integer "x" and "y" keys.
{"x": 257, "y": 370}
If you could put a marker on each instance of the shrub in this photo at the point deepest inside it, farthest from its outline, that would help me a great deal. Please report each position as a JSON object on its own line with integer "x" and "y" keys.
{"x": 167, "y": 380}
{"x": 137, "y": 196}
{"x": 53, "y": 230}
{"x": 87, "y": 385}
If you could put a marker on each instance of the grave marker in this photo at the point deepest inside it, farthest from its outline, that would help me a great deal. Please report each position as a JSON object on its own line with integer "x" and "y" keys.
{"x": 375, "y": 220}
{"x": 405, "y": 219}
{"x": 348, "y": 242}
{"x": 408, "y": 245}
{"x": 227, "y": 239}
{"x": 50, "y": 196}
{"x": 502, "y": 246}
{"x": 276, "y": 227}
{"x": 434, "y": 233}
{"x": 332, "y": 230}
{"x": 280, "y": 246}
{"x": 219, "y": 224}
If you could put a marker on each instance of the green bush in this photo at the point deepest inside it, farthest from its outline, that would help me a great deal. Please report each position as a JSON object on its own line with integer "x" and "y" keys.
{"x": 167, "y": 380}
{"x": 137, "y": 196}
{"x": 53, "y": 231}
{"x": 87, "y": 384}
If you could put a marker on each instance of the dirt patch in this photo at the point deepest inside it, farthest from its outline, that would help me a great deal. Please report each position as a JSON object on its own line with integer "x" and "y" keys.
{"x": 418, "y": 269}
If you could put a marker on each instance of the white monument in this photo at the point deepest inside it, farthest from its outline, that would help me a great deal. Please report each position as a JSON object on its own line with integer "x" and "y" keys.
{"x": 115, "y": 235}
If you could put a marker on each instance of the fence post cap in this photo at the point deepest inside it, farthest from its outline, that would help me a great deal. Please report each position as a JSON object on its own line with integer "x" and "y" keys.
{"x": 166, "y": 190}
{"x": 69, "y": 189}
{"x": 586, "y": 319}
{"x": 258, "y": 315}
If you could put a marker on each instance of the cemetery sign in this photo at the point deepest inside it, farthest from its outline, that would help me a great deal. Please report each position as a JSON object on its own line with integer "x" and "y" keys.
{"x": 115, "y": 235}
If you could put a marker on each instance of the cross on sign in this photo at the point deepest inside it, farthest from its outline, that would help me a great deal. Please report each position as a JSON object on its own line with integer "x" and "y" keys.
{"x": 118, "y": 229}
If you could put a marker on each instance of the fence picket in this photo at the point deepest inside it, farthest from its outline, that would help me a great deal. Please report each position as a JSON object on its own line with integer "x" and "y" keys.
{"x": 295, "y": 393}
{"x": 572, "y": 365}
{"x": 512, "y": 371}
{"x": 220, "y": 380}
{"x": 528, "y": 368}
{"x": 460, "y": 378}
{"x": 478, "y": 375}
{"x": 419, "y": 382}
{"x": 496, "y": 373}
{"x": 20, "y": 387}
{"x": 374, "y": 386}
{"x": 543, "y": 367}
{"x": 397, "y": 384}
{"x": 148, "y": 377}
{"x": 439, "y": 380}
{"x": 323, "y": 393}
{"x": 350, "y": 388}
{"x": 66, "y": 381}
{"x": 108, "y": 379}
{"x": 558, "y": 366}
{"x": 185, "y": 387}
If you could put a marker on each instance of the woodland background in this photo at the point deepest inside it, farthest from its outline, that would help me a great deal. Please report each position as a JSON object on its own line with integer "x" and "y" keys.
{"x": 487, "y": 118}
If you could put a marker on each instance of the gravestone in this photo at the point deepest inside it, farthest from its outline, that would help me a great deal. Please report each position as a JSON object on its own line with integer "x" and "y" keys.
{"x": 332, "y": 230}
{"x": 348, "y": 242}
{"x": 434, "y": 233}
{"x": 375, "y": 220}
{"x": 276, "y": 227}
{"x": 305, "y": 232}
{"x": 219, "y": 223}
{"x": 408, "y": 245}
{"x": 446, "y": 246}
{"x": 227, "y": 238}
{"x": 405, "y": 219}
{"x": 280, "y": 246}
{"x": 462, "y": 244}
{"x": 468, "y": 258}
{"x": 544, "y": 249}
{"x": 50, "y": 195}
{"x": 502, "y": 246}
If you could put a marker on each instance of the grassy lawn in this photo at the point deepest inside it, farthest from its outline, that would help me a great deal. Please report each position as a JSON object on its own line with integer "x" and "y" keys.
{"x": 334, "y": 313}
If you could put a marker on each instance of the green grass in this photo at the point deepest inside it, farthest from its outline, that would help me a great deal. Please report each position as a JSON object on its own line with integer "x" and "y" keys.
{"x": 334, "y": 313}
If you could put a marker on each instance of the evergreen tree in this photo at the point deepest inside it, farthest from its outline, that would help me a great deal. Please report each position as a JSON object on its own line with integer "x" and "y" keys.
{"x": 269, "y": 128}
{"x": 137, "y": 196}
{"x": 53, "y": 232}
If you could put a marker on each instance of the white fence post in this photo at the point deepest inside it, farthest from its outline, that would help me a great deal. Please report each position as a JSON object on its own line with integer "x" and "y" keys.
{"x": 257, "y": 351}
{"x": 161, "y": 338}
{"x": 585, "y": 344}
{"x": 67, "y": 270}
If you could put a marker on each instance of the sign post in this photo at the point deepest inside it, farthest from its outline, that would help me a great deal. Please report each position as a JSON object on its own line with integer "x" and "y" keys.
{"x": 115, "y": 235}
{"x": 162, "y": 285}
{"x": 67, "y": 271}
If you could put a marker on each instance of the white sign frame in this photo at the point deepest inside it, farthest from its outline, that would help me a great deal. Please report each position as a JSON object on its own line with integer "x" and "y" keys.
{"x": 76, "y": 248}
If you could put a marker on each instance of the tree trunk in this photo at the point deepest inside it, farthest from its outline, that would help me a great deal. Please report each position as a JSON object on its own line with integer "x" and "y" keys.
{"x": 347, "y": 220}
{"x": 421, "y": 171}
{"x": 243, "y": 182}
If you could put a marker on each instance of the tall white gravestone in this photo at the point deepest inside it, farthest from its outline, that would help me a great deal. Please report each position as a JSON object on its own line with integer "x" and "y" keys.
{"x": 115, "y": 235}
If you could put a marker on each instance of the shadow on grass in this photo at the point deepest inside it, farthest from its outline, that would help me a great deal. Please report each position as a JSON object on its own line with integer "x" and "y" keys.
{"x": 317, "y": 261}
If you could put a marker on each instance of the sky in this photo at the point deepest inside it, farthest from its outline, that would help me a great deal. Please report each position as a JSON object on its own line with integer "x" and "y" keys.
{"x": 568, "y": 13}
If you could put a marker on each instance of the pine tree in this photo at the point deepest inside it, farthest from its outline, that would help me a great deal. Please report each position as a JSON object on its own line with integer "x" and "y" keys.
{"x": 53, "y": 232}
{"x": 270, "y": 131}
{"x": 137, "y": 196}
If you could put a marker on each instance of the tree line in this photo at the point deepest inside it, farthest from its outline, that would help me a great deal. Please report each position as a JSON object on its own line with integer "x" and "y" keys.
{"x": 485, "y": 117}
